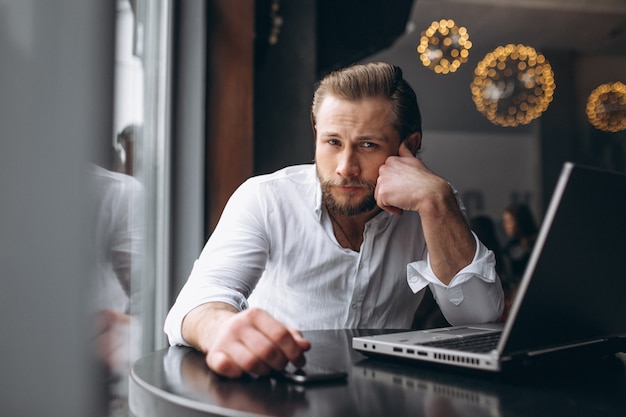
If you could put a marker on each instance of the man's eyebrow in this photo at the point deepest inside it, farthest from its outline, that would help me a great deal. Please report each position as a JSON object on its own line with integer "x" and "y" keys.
{"x": 372, "y": 137}
{"x": 360, "y": 138}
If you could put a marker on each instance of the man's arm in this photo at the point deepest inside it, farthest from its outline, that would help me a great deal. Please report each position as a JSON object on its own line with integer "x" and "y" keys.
{"x": 405, "y": 183}
{"x": 235, "y": 342}
{"x": 211, "y": 312}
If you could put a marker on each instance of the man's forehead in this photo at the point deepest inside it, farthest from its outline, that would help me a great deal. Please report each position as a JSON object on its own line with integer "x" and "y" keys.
{"x": 367, "y": 108}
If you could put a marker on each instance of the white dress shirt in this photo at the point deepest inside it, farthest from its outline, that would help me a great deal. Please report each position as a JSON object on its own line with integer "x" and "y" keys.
{"x": 274, "y": 248}
{"x": 117, "y": 229}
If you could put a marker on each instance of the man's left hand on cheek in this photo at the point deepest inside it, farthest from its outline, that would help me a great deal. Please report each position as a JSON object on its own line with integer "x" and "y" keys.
{"x": 404, "y": 182}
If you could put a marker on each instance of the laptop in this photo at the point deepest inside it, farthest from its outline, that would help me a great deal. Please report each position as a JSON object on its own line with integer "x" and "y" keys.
{"x": 572, "y": 297}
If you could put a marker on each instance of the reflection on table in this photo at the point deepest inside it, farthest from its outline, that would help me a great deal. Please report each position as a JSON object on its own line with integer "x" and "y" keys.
{"x": 177, "y": 380}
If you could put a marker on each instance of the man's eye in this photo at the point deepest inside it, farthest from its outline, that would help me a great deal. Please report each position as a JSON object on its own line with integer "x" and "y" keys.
{"x": 368, "y": 145}
{"x": 333, "y": 142}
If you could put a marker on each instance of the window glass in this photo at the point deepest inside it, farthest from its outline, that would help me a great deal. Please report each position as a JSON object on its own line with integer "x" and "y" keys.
{"x": 133, "y": 195}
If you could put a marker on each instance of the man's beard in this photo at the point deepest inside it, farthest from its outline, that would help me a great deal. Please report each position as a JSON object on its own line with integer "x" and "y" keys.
{"x": 349, "y": 208}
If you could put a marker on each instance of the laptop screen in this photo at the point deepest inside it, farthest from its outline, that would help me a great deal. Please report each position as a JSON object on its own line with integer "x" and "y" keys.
{"x": 574, "y": 286}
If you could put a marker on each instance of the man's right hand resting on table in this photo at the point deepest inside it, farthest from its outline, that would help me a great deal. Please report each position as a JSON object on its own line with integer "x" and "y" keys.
{"x": 236, "y": 343}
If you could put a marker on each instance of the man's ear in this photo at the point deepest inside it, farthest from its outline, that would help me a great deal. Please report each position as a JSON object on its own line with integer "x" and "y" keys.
{"x": 413, "y": 142}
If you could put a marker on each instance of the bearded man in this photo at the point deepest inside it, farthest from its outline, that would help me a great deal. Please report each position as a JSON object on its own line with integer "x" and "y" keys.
{"x": 351, "y": 241}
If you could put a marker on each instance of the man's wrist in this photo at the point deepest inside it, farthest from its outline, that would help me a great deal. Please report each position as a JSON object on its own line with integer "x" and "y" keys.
{"x": 439, "y": 204}
{"x": 200, "y": 324}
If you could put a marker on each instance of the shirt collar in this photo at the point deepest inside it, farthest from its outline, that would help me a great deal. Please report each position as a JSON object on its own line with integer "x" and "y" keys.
{"x": 318, "y": 195}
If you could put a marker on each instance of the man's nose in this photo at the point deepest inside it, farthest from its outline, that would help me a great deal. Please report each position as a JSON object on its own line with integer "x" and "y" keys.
{"x": 347, "y": 164}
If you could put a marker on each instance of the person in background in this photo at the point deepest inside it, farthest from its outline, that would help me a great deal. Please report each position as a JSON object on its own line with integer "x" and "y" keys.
{"x": 125, "y": 149}
{"x": 485, "y": 229}
{"x": 117, "y": 238}
{"x": 350, "y": 241}
{"x": 116, "y": 226}
{"x": 521, "y": 230}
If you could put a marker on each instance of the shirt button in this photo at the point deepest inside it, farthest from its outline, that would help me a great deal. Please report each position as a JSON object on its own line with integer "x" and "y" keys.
{"x": 353, "y": 306}
{"x": 413, "y": 279}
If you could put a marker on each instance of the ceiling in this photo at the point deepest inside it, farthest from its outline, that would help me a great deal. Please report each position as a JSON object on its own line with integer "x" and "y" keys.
{"x": 589, "y": 26}
{"x": 561, "y": 29}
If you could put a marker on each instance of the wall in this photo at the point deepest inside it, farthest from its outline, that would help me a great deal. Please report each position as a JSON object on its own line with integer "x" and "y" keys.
{"x": 489, "y": 170}
{"x": 284, "y": 79}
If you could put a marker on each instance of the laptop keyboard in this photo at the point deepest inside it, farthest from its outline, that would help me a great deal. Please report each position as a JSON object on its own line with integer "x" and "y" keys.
{"x": 480, "y": 343}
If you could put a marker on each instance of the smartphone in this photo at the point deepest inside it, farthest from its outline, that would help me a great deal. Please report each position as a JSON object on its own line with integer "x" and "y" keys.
{"x": 311, "y": 373}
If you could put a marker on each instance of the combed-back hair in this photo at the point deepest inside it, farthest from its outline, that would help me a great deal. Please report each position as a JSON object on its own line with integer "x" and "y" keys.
{"x": 375, "y": 79}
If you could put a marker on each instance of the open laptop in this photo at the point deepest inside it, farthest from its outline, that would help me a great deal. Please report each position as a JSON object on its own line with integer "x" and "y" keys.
{"x": 572, "y": 296}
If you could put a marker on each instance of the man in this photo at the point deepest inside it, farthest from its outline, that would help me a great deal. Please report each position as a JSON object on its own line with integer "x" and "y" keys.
{"x": 332, "y": 245}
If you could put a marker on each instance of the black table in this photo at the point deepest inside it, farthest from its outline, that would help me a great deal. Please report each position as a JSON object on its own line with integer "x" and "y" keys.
{"x": 176, "y": 382}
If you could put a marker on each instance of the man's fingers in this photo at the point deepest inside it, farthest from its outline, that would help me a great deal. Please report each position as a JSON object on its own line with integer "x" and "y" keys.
{"x": 391, "y": 209}
{"x": 265, "y": 349}
{"x": 378, "y": 197}
{"x": 288, "y": 342}
{"x": 224, "y": 364}
{"x": 237, "y": 361}
{"x": 404, "y": 150}
{"x": 303, "y": 344}
{"x": 256, "y": 343}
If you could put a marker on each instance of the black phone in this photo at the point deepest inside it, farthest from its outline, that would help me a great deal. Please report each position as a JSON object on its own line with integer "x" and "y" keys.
{"x": 311, "y": 373}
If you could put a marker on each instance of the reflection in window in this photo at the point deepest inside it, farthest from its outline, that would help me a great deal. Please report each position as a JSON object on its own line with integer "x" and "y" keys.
{"x": 129, "y": 195}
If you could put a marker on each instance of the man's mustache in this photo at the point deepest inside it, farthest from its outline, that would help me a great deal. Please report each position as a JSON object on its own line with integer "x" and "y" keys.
{"x": 350, "y": 183}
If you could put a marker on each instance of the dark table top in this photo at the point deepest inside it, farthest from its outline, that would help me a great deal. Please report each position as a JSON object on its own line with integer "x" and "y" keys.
{"x": 176, "y": 381}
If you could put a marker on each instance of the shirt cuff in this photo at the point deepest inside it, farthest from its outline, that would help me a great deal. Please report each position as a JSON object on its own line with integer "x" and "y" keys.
{"x": 184, "y": 304}
{"x": 420, "y": 273}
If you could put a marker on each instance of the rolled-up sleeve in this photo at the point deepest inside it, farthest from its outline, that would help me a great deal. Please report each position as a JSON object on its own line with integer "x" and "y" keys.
{"x": 191, "y": 298}
{"x": 474, "y": 294}
{"x": 229, "y": 266}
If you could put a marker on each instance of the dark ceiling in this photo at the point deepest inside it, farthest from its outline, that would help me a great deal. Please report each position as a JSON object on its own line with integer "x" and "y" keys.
{"x": 561, "y": 29}
{"x": 587, "y": 26}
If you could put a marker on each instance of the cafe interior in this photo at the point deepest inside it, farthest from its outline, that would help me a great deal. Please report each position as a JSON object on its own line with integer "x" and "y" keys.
{"x": 190, "y": 98}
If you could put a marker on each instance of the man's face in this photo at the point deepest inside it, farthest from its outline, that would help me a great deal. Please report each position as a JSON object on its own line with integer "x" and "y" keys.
{"x": 354, "y": 138}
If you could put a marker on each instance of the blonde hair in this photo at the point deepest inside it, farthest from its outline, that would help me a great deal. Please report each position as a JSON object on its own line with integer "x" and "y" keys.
{"x": 375, "y": 79}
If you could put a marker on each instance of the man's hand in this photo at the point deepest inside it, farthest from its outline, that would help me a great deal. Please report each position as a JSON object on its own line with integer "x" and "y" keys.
{"x": 405, "y": 183}
{"x": 251, "y": 341}
{"x": 113, "y": 338}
